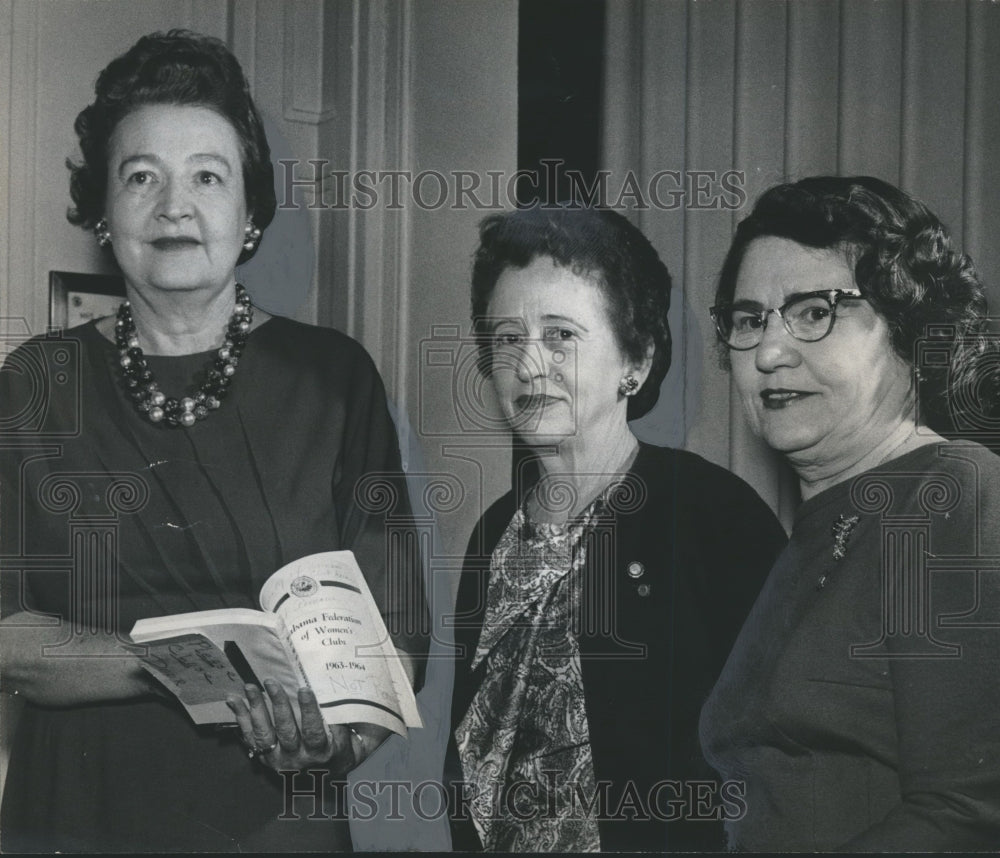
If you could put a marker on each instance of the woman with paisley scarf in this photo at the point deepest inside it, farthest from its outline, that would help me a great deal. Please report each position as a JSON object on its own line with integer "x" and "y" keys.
{"x": 601, "y": 595}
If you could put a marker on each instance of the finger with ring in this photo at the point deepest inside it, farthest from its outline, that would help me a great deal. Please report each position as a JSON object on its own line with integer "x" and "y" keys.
{"x": 254, "y": 751}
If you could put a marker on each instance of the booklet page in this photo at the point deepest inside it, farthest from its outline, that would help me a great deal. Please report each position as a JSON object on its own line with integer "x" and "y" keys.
{"x": 343, "y": 647}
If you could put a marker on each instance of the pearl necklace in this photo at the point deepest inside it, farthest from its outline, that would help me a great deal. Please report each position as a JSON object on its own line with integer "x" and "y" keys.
{"x": 143, "y": 389}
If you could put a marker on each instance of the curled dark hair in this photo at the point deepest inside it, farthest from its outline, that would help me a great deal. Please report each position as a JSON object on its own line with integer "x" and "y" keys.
{"x": 177, "y": 68}
{"x": 904, "y": 263}
{"x": 599, "y": 243}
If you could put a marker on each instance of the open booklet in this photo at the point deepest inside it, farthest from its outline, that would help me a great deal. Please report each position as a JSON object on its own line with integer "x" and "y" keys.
{"x": 319, "y": 627}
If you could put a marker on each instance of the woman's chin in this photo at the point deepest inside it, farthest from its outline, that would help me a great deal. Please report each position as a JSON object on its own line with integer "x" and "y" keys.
{"x": 181, "y": 285}
{"x": 790, "y": 441}
{"x": 542, "y": 436}
{"x": 540, "y": 439}
{"x": 173, "y": 280}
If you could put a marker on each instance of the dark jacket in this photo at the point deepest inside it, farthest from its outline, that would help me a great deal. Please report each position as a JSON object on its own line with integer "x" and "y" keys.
{"x": 667, "y": 584}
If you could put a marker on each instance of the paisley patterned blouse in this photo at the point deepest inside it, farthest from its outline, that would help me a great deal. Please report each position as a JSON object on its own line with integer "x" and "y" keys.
{"x": 524, "y": 740}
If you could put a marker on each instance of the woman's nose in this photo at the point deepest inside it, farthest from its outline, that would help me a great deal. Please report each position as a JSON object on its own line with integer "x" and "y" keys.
{"x": 530, "y": 362}
{"x": 175, "y": 201}
{"x": 777, "y": 347}
{"x": 536, "y": 361}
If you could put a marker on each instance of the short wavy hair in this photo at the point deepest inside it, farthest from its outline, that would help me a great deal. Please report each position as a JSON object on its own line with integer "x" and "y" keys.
{"x": 595, "y": 242}
{"x": 907, "y": 267}
{"x": 175, "y": 68}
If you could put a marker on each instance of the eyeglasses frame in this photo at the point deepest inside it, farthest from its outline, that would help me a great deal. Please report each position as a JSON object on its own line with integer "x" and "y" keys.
{"x": 832, "y": 296}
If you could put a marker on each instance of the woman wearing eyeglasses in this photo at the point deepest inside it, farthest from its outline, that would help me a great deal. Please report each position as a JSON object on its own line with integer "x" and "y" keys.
{"x": 861, "y": 702}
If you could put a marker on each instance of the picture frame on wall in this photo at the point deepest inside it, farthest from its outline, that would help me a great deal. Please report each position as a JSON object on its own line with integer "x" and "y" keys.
{"x": 76, "y": 298}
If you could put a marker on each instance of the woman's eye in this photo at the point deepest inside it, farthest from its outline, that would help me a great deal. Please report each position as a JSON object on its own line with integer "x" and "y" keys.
{"x": 508, "y": 339}
{"x": 746, "y": 322}
{"x": 140, "y": 178}
{"x": 207, "y": 178}
{"x": 555, "y": 333}
{"x": 816, "y": 314}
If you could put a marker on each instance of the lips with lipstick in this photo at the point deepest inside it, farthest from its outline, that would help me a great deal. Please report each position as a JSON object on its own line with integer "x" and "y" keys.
{"x": 781, "y": 397}
{"x": 175, "y": 242}
{"x": 535, "y": 401}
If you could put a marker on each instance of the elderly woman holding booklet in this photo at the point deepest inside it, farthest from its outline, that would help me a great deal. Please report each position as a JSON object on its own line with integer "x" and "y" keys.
{"x": 180, "y": 453}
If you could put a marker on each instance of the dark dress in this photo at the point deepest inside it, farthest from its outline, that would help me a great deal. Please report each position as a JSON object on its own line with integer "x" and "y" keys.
{"x": 670, "y": 574}
{"x": 197, "y": 519}
{"x": 861, "y": 703}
